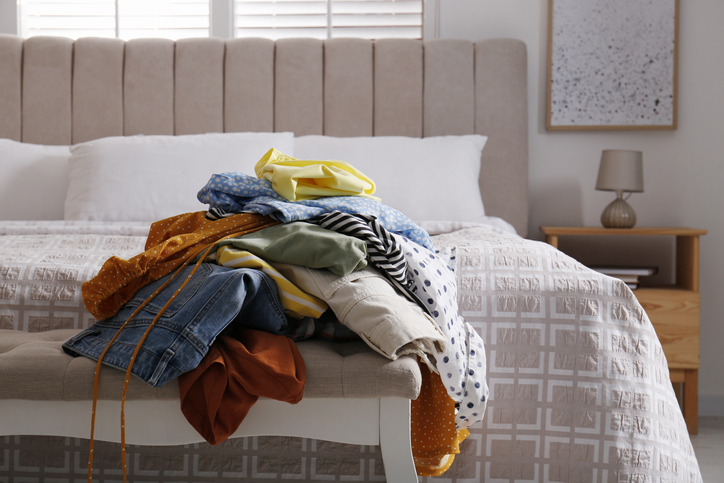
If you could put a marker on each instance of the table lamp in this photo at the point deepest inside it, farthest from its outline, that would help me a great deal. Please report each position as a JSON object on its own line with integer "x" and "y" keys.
{"x": 620, "y": 171}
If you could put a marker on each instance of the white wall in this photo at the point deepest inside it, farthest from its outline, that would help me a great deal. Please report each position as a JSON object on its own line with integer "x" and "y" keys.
{"x": 683, "y": 169}
{"x": 8, "y": 17}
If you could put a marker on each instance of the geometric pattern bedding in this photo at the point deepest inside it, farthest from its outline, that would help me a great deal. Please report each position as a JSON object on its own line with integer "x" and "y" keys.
{"x": 579, "y": 387}
{"x": 41, "y": 277}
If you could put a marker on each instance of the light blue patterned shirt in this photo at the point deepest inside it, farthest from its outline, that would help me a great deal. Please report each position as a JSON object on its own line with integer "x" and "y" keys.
{"x": 240, "y": 193}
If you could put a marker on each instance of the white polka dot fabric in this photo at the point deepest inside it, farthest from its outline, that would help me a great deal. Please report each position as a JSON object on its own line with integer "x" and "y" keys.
{"x": 462, "y": 365}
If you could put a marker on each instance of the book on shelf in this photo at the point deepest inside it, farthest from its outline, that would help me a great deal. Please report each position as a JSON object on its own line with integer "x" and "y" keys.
{"x": 622, "y": 271}
{"x": 629, "y": 275}
{"x": 628, "y": 278}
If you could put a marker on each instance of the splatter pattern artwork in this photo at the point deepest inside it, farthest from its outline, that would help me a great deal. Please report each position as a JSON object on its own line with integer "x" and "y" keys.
{"x": 612, "y": 63}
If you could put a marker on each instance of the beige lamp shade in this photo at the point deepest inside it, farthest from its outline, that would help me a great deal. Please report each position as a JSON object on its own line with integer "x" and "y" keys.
{"x": 621, "y": 170}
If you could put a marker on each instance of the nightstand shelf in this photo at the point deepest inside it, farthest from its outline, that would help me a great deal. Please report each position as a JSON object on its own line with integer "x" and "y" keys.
{"x": 673, "y": 309}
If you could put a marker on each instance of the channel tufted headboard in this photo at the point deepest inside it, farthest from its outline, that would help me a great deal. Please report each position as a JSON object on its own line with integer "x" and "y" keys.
{"x": 54, "y": 90}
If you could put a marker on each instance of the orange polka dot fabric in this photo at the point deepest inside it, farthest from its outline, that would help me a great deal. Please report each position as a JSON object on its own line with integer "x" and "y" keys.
{"x": 435, "y": 440}
{"x": 170, "y": 243}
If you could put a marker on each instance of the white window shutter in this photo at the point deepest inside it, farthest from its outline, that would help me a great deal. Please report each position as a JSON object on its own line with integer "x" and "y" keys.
{"x": 72, "y": 18}
{"x": 368, "y": 19}
{"x": 373, "y": 19}
{"x": 125, "y": 19}
{"x": 174, "y": 19}
{"x": 276, "y": 19}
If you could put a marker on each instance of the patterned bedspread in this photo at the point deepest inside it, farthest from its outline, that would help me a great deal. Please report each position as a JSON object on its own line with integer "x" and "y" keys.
{"x": 579, "y": 388}
{"x": 43, "y": 265}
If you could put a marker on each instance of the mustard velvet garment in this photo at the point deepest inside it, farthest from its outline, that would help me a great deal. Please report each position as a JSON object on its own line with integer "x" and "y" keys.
{"x": 297, "y": 179}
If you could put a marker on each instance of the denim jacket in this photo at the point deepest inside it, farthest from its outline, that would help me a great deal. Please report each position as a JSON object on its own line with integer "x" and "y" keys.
{"x": 211, "y": 301}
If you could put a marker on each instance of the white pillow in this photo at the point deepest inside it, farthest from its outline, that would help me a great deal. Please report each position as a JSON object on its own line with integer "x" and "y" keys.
{"x": 434, "y": 178}
{"x": 148, "y": 178}
{"x": 33, "y": 181}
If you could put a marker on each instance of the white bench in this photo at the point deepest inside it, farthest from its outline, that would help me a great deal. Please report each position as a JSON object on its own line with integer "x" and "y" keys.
{"x": 352, "y": 395}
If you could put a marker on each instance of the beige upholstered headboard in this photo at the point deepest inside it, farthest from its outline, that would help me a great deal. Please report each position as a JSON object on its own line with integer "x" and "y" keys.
{"x": 54, "y": 90}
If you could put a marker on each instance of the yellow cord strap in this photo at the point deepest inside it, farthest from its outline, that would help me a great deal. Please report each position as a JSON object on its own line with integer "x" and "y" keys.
{"x": 205, "y": 249}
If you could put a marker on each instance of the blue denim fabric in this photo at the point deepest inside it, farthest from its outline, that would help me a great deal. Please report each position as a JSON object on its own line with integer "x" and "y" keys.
{"x": 213, "y": 300}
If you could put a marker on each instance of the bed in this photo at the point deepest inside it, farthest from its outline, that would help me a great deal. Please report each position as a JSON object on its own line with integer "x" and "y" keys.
{"x": 578, "y": 383}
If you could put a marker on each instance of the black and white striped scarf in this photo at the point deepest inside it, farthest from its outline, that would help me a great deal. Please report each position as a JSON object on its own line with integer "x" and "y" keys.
{"x": 383, "y": 251}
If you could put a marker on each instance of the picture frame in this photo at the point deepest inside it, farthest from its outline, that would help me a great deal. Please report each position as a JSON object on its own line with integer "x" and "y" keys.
{"x": 612, "y": 64}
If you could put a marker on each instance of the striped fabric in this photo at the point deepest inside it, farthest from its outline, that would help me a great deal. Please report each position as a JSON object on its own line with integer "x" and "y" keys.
{"x": 297, "y": 303}
{"x": 382, "y": 249}
{"x": 216, "y": 213}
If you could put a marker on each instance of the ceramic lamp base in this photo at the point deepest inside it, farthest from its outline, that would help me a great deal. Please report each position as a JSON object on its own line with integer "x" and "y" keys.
{"x": 618, "y": 214}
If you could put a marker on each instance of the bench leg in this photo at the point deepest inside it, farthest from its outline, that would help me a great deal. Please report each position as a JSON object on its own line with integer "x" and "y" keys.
{"x": 395, "y": 441}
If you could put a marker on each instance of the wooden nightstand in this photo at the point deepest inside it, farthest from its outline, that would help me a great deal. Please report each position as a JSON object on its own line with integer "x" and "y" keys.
{"x": 673, "y": 309}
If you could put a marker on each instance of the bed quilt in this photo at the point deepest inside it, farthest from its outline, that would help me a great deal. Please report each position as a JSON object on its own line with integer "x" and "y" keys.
{"x": 579, "y": 386}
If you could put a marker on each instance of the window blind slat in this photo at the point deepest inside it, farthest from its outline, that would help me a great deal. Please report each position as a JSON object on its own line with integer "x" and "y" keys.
{"x": 85, "y": 10}
{"x": 366, "y": 32}
{"x": 75, "y": 33}
{"x": 166, "y": 22}
{"x": 341, "y": 7}
{"x": 286, "y": 21}
{"x": 259, "y": 8}
{"x": 73, "y": 23}
{"x": 282, "y": 33}
{"x": 411, "y": 20}
{"x": 244, "y": 2}
{"x": 172, "y": 34}
{"x": 195, "y": 8}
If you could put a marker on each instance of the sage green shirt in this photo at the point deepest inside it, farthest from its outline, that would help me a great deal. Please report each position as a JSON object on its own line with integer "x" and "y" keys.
{"x": 305, "y": 244}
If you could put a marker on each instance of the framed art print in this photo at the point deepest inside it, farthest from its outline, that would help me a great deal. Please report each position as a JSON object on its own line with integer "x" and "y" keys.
{"x": 612, "y": 64}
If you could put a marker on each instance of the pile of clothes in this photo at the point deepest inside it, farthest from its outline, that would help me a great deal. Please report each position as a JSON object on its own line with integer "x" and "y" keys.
{"x": 219, "y": 299}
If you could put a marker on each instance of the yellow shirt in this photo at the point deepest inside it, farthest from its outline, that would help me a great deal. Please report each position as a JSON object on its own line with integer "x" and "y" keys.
{"x": 297, "y": 179}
